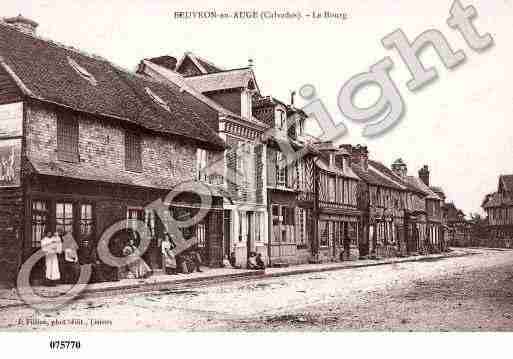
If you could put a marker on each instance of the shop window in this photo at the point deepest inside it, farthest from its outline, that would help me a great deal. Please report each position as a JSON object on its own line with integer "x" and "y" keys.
{"x": 86, "y": 221}
{"x": 39, "y": 222}
{"x": 352, "y": 232}
{"x": 324, "y": 231}
{"x": 67, "y": 137}
{"x": 64, "y": 217}
{"x": 201, "y": 235}
{"x": 133, "y": 158}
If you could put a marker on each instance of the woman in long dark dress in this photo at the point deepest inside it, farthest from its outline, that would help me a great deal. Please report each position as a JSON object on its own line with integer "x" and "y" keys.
{"x": 138, "y": 268}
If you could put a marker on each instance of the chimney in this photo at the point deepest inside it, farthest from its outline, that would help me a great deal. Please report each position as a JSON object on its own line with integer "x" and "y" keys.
{"x": 292, "y": 95}
{"x": 342, "y": 159}
{"x": 169, "y": 62}
{"x": 400, "y": 168}
{"x": 360, "y": 156}
{"x": 250, "y": 63}
{"x": 424, "y": 175}
{"x": 23, "y": 24}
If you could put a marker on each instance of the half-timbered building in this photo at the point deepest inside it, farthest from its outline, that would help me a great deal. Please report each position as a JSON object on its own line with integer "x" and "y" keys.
{"x": 498, "y": 207}
{"x": 290, "y": 182}
{"x": 381, "y": 198}
{"x": 337, "y": 213}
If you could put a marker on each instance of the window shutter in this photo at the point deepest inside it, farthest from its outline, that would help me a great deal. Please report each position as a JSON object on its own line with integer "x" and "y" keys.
{"x": 67, "y": 137}
{"x": 133, "y": 161}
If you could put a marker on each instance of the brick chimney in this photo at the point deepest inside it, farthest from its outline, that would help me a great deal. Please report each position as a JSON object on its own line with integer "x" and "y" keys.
{"x": 359, "y": 155}
{"x": 424, "y": 175}
{"x": 400, "y": 168}
{"x": 23, "y": 24}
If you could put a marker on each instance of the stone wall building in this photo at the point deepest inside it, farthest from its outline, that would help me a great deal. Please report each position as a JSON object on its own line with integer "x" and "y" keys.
{"x": 92, "y": 144}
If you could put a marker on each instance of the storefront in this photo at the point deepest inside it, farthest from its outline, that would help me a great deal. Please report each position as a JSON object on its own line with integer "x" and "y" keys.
{"x": 87, "y": 208}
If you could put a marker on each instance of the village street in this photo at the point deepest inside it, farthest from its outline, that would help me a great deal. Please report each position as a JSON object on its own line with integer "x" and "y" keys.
{"x": 472, "y": 292}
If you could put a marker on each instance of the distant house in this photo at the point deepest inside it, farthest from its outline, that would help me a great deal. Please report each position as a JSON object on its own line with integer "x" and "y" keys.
{"x": 499, "y": 209}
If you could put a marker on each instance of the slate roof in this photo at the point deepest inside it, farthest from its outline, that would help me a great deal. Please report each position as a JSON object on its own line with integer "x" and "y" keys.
{"x": 348, "y": 172}
{"x": 183, "y": 83}
{"x": 42, "y": 70}
{"x": 374, "y": 178}
{"x": 392, "y": 175}
{"x": 230, "y": 79}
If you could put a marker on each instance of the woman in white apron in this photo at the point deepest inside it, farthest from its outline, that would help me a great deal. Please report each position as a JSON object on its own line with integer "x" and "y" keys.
{"x": 51, "y": 246}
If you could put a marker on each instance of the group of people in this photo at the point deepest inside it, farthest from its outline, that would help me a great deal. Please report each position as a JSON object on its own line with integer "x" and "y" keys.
{"x": 185, "y": 262}
{"x": 61, "y": 257}
{"x": 255, "y": 261}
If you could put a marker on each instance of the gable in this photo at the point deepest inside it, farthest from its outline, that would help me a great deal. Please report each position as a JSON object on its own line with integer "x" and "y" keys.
{"x": 188, "y": 68}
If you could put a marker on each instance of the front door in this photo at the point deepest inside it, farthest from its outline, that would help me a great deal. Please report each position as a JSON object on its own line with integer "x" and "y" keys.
{"x": 227, "y": 232}
{"x": 249, "y": 233}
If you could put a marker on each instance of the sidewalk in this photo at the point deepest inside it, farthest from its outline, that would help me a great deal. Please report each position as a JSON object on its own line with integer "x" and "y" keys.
{"x": 9, "y": 297}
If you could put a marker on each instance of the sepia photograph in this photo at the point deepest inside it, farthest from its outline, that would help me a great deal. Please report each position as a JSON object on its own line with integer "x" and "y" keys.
{"x": 235, "y": 167}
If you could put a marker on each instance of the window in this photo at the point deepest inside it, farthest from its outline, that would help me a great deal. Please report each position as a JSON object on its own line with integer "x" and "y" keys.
{"x": 300, "y": 127}
{"x": 201, "y": 164}
{"x": 324, "y": 233}
{"x": 67, "y": 137}
{"x": 301, "y": 220}
{"x": 258, "y": 224}
{"x": 133, "y": 160}
{"x": 82, "y": 72}
{"x": 280, "y": 119}
{"x": 281, "y": 170}
{"x": 39, "y": 222}
{"x": 86, "y": 221}
{"x": 64, "y": 217}
{"x": 240, "y": 226}
{"x": 149, "y": 219}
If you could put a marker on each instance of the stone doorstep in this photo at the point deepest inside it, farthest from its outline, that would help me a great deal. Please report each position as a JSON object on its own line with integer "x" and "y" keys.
{"x": 113, "y": 288}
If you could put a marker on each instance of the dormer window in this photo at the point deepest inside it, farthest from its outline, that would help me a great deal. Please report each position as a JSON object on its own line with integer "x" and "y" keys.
{"x": 159, "y": 101}
{"x": 82, "y": 72}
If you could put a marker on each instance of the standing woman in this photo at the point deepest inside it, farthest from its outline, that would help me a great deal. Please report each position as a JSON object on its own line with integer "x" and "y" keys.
{"x": 51, "y": 246}
{"x": 168, "y": 257}
{"x": 71, "y": 266}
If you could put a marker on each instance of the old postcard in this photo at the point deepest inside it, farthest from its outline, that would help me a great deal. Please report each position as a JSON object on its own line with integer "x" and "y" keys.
{"x": 333, "y": 166}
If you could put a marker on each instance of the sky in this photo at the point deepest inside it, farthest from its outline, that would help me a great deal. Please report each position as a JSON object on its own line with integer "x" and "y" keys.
{"x": 460, "y": 125}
